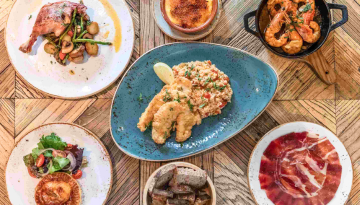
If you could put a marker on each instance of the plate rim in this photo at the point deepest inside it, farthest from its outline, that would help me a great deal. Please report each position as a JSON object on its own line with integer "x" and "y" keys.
{"x": 279, "y": 126}
{"x": 79, "y": 97}
{"x": 71, "y": 124}
{"x": 190, "y": 42}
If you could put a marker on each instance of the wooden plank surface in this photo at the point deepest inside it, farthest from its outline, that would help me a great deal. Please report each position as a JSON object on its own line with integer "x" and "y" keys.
{"x": 301, "y": 96}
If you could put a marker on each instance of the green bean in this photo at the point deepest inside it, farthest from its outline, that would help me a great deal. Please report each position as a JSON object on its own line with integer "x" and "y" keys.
{"x": 91, "y": 41}
{"x": 81, "y": 35}
{"x": 66, "y": 57}
{"x": 82, "y": 23}
{"x": 75, "y": 30}
{"x": 68, "y": 28}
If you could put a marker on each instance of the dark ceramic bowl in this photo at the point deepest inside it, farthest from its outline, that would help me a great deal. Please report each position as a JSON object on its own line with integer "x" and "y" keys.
{"x": 326, "y": 27}
{"x": 190, "y": 30}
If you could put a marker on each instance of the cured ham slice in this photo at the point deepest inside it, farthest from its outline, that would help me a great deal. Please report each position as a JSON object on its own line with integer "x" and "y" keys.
{"x": 300, "y": 168}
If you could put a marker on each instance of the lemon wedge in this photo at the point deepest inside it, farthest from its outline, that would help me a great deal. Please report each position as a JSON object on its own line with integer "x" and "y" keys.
{"x": 164, "y": 72}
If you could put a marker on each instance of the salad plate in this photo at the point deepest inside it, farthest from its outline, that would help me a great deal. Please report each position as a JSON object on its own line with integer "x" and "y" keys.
{"x": 72, "y": 81}
{"x": 96, "y": 179}
{"x": 253, "y": 81}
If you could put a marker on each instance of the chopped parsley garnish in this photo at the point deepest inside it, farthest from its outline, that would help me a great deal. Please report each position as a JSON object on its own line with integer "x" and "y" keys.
{"x": 178, "y": 99}
{"x": 207, "y": 81}
{"x": 149, "y": 125}
{"x": 203, "y": 105}
{"x": 191, "y": 106}
{"x": 208, "y": 89}
{"x": 167, "y": 96}
{"x": 172, "y": 125}
{"x": 202, "y": 98}
{"x": 219, "y": 88}
{"x": 51, "y": 62}
{"x": 88, "y": 23}
{"x": 307, "y": 8}
{"x": 181, "y": 144}
{"x": 192, "y": 67}
{"x": 171, "y": 109}
{"x": 140, "y": 99}
{"x": 291, "y": 30}
{"x": 165, "y": 135}
{"x": 30, "y": 17}
{"x": 187, "y": 73}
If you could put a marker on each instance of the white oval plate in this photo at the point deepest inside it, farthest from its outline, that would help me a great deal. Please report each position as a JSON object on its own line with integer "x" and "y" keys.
{"x": 259, "y": 195}
{"x": 93, "y": 75}
{"x": 146, "y": 197}
{"x": 96, "y": 181}
{"x": 178, "y": 35}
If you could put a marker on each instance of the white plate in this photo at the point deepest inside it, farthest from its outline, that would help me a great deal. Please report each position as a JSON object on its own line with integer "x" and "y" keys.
{"x": 96, "y": 181}
{"x": 344, "y": 188}
{"x": 92, "y": 76}
{"x": 178, "y": 35}
{"x": 146, "y": 197}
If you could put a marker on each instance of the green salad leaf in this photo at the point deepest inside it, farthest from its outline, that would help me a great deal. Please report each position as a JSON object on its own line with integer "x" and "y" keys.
{"x": 35, "y": 153}
{"x": 29, "y": 160}
{"x": 53, "y": 141}
{"x": 48, "y": 153}
{"x": 58, "y": 164}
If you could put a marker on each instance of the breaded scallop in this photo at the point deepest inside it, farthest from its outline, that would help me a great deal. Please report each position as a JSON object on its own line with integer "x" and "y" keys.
{"x": 58, "y": 189}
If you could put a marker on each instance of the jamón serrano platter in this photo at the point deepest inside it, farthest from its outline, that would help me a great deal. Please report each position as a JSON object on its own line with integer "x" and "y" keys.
{"x": 300, "y": 163}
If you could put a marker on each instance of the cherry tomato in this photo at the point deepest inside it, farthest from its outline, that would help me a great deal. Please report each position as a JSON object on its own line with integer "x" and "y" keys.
{"x": 62, "y": 55}
{"x": 223, "y": 104}
{"x": 209, "y": 62}
{"x": 30, "y": 173}
{"x": 207, "y": 95}
{"x": 40, "y": 160}
{"x": 77, "y": 175}
{"x": 70, "y": 33}
{"x": 215, "y": 71}
{"x": 227, "y": 79}
{"x": 69, "y": 145}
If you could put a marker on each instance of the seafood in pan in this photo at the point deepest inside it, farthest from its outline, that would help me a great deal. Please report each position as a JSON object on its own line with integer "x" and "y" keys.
{"x": 292, "y": 23}
{"x": 68, "y": 30}
{"x": 199, "y": 90}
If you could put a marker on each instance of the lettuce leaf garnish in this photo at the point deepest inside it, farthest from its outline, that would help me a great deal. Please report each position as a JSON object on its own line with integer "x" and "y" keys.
{"x": 58, "y": 164}
{"x": 52, "y": 141}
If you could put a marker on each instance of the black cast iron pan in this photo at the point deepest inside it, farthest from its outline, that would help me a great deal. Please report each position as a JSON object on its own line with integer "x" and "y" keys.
{"x": 325, "y": 25}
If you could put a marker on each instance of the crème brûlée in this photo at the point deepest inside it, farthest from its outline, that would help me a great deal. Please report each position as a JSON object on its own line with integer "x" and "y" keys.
{"x": 188, "y": 13}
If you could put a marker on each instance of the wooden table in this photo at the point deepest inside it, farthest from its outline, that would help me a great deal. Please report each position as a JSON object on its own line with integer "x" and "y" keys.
{"x": 301, "y": 97}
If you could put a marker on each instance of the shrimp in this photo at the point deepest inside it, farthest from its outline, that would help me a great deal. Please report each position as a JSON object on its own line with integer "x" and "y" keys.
{"x": 273, "y": 28}
{"x": 295, "y": 41}
{"x": 283, "y": 4}
{"x": 310, "y": 33}
{"x": 307, "y": 10}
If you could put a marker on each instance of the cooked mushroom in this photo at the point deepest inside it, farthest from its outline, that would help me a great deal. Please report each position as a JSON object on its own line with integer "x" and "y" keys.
{"x": 91, "y": 49}
{"x": 67, "y": 38}
{"x": 86, "y": 17}
{"x": 79, "y": 51}
{"x": 49, "y": 48}
{"x": 67, "y": 47}
{"x": 78, "y": 59}
{"x": 87, "y": 36}
{"x": 93, "y": 28}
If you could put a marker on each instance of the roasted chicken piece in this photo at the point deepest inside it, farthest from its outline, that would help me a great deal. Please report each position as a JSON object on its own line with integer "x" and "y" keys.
{"x": 52, "y": 18}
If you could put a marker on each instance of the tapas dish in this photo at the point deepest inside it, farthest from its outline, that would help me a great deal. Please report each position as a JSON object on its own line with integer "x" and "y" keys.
{"x": 300, "y": 163}
{"x": 294, "y": 28}
{"x": 189, "y": 16}
{"x": 253, "y": 85}
{"x": 179, "y": 183}
{"x": 68, "y": 30}
{"x": 54, "y": 42}
{"x": 199, "y": 90}
{"x": 74, "y": 169}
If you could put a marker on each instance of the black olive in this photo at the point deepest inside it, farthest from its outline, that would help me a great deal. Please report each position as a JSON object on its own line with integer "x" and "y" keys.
{"x": 45, "y": 169}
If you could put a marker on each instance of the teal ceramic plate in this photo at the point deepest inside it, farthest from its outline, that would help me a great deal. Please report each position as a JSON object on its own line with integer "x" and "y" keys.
{"x": 254, "y": 84}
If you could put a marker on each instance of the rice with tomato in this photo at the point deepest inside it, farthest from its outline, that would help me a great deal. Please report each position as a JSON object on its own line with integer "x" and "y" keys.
{"x": 211, "y": 90}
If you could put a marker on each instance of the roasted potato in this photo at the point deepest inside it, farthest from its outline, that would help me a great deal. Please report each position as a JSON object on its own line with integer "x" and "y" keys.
{"x": 91, "y": 49}
{"x": 93, "y": 28}
{"x": 87, "y": 36}
{"x": 49, "y": 48}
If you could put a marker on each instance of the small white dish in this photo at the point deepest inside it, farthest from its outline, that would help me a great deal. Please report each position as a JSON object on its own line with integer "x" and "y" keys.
{"x": 73, "y": 80}
{"x": 178, "y": 35}
{"x": 95, "y": 182}
{"x": 344, "y": 188}
{"x": 146, "y": 196}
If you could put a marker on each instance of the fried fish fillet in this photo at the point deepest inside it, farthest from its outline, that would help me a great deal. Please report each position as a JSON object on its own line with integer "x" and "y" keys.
{"x": 179, "y": 89}
{"x": 165, "y": 119}
{"x": 185, "y": 121}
